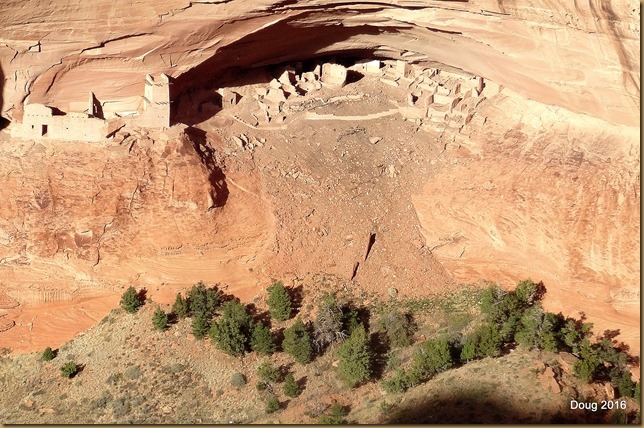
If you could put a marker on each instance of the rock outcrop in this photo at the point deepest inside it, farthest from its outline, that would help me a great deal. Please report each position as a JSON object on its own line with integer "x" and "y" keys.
{"x": 581, "y": 55}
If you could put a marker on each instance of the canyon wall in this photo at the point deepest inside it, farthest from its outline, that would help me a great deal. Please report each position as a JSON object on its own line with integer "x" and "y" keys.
{"x": 582, "y": 55}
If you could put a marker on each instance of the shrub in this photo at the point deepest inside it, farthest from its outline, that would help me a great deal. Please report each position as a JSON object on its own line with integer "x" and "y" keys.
{"x": 431, "y": 357}
{"x": 48, "y": 354}
{"x": 133, "y": 372}
{"x": 398, "y": 327}
{"x": 637, "y": 394}
{"x": 398, "y": 383}
{"x": 130, "y": 300}
{"x": 69, "y": 369}
{"x": 291, "y": 388}
{"x": 180, "y": 306}
{"x": 490, "y": 342}
{"x": 334, "y": 417}
{"x": 272, "y": 405}
{"x": 279, "y": 302}
{"x": 622, "y": 381}
{"x": 237, "y": 380}
{"x": 538, "y": 330}
{"x": 355, "y": 358}
{"x": 160, "y": 319}
{"x": 268, "y": 372}
{"x": 262, "y": 340}
{"x": 329, "y": 325}
{"x": 297, "y": 342}
{"x": 469, "y": 349}
{"x": 527, "y": 292}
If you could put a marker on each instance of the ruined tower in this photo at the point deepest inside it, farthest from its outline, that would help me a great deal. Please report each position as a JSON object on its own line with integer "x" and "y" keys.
{"x": 156, "y": 101}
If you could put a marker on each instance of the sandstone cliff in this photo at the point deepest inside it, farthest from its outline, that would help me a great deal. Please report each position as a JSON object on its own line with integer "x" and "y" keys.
{"x": 582, "y": 55}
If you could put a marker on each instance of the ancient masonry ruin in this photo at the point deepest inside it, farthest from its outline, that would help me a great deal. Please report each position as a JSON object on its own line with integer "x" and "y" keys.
{"x": 439, "y": 101}
{"x": 42, "y": 122}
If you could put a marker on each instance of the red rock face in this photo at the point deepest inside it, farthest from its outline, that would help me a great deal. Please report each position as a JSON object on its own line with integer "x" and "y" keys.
{"x": 581, "y": 55}
{"x": 547, "y": 188}
{"x": 547, "y": 195}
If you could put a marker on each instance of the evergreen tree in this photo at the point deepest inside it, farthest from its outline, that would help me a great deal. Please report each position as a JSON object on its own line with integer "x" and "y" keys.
{"x": 586, "y": 367}
{"x": 268, "y": 373}
{"x": 291, "y": 388}
{"x": 527, "y": 292}
{"x": 160, "y": 319}
{"x": 48, "y": 354}
{"x": 469, "y": 350}
{"x": 431, "y": 357}
{"x": 334, "y": 417}
{"x": 491, "y": 341}
{"x": 350, "y": 319}
{"x": 537, "y": 329}
{"x": 232, "y": 332}
{"x": 573, "y": 334}
{"x": 399, "y": 382}
{"x": 200, "y": 326}
{"x": 637, "y": 395}
{"x": 297, "y": 342}
{"x": 262, "y": 340}
{"x": 355, "y": 358}
{"x": 623, "y": 382}
{"x": 130, "y": 300}
{"x": 203, "y": 301}
{"x": 180, "y": 306}
{"x": 279, "y": 302}
{"x": 272, "y": 405}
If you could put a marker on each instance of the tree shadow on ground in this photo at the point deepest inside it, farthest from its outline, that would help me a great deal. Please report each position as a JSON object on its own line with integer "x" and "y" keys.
{"x": 263, "y": 317}
{"x": 469, "y": 407}
{"x": 296, "y": 296}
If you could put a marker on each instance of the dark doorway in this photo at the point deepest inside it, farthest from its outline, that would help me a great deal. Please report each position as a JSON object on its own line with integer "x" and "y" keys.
{"x": 44, "y": 130}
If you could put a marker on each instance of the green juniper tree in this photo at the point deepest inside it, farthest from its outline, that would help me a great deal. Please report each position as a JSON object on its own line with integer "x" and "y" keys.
{"x": 262, "y": 340}
{"x": 48, "y": 354}
{"x": 180, "y": 306}
{"x": 130, "y": 300}
{"x": 291, "y": 388}
{"x": 232, "y": 332}
{"x": 160, "y": 319}
{"x": 355, "y": 366}
{"x": 297, "y": 342}
{"x": 69, "y": 369}
{"x": 279, "y": 302}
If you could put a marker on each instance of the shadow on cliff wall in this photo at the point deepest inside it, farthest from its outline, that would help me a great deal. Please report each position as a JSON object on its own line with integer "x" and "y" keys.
{"x": 241, "y": 62}
{"x": 3, "y": 121}
{"x": 217, "y": 178}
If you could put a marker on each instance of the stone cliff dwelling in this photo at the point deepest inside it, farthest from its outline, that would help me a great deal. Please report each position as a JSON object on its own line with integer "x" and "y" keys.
{"x": 40, "y": 121}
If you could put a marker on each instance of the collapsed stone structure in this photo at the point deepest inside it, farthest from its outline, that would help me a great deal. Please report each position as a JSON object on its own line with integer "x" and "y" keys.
{"x": 43, "y": 122}
{"x": 40, "y": 121}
